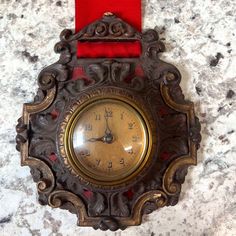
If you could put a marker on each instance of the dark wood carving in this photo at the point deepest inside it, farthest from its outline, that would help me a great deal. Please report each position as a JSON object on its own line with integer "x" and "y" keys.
{"x": 148, "y": 79}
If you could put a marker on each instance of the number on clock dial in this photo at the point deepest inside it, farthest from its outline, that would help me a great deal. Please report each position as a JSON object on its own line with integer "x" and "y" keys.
{"x": 84, "y": 153}
{"x": 122, "y": 161}
{"x": 97, "y": 117}
{"x": 88, "y": 127}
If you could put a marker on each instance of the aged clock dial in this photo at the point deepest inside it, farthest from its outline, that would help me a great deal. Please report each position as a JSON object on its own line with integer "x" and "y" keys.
{"x": 109, "y": 140}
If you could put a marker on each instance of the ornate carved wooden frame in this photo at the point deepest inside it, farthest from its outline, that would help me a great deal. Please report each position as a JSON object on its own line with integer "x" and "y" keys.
{"x": 148, "y": 78}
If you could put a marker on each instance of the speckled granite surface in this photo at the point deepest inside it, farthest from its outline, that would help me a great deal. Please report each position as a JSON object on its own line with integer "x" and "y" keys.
{"x": 201, "y": 42}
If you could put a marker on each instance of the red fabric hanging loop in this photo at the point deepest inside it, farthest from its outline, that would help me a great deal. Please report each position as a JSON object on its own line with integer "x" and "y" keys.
{"x": 88, "y": 11}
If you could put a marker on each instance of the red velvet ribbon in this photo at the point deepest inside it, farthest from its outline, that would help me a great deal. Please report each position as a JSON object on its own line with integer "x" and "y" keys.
{"x": 88, "y": 11}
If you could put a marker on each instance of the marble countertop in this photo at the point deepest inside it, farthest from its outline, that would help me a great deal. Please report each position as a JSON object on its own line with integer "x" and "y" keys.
{"x": 201, "y": 42}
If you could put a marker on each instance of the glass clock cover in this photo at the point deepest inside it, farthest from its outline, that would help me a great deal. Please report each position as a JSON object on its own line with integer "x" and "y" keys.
{"x": 109, "y": 140}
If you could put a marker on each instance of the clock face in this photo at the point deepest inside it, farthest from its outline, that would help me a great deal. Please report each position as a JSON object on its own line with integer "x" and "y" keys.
{"x": 109, "y": 140}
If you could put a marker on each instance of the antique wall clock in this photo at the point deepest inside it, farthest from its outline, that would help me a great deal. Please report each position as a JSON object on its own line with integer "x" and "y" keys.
{"x": 109, "y": 139}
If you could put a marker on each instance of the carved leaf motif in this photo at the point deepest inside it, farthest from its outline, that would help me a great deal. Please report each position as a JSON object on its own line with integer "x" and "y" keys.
{"x": 60, "y": 104}
{"x": 42, "y": 147}
{"x": 139, "y": 188}
{"x": 61, "y": 72}
{"x": 119, "y": 71}
{"x": 74, "y": 87}
{"x": 97, "y": 205}
{"x": 137, "y": 83}
{"x": 43, "y": 123}
{"x": 97, "y": 72}
{"x": 120, "y": 205}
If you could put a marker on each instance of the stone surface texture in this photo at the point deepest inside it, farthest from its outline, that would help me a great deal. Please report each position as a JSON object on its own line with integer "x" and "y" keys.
{"x": 200, "y": 40}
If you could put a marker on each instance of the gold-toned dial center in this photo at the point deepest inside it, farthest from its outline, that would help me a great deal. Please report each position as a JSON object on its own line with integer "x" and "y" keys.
{"x": 109, "y": 140}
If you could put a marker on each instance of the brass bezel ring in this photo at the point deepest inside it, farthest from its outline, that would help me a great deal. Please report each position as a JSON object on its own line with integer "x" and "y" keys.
{"x": 70, "y": 147}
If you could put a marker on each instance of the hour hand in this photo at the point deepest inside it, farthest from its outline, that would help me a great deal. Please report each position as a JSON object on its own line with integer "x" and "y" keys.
{"x": 108, "y": 138}
{"x": 101, "y": 139}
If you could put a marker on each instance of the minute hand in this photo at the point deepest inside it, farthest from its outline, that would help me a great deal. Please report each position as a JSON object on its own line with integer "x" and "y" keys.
{"x": 107, "y": 131}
